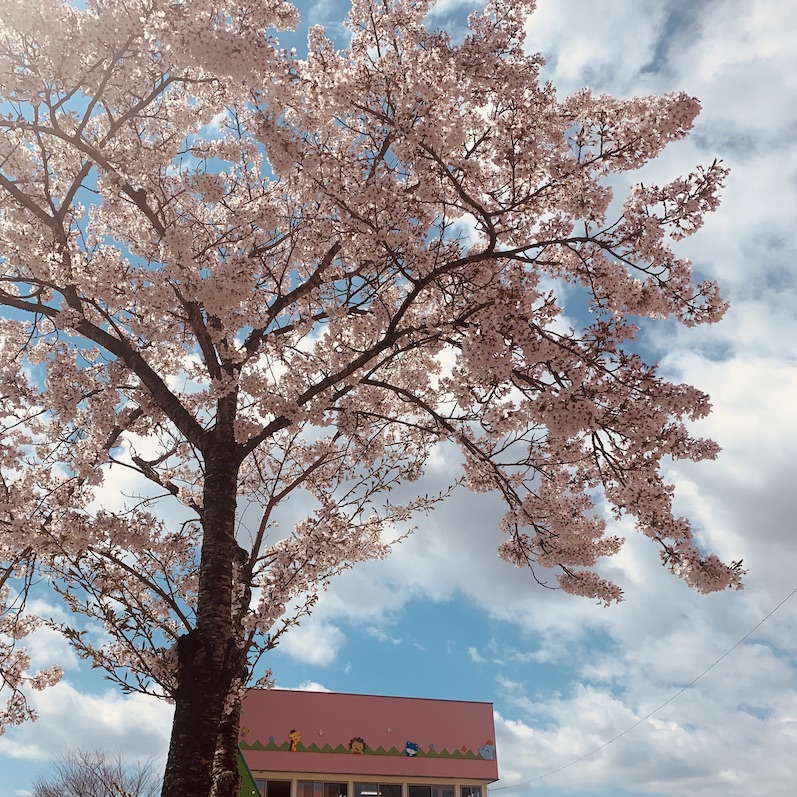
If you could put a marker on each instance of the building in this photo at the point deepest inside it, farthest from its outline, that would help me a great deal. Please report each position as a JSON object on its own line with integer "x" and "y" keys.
{"x": 322, "y": 744}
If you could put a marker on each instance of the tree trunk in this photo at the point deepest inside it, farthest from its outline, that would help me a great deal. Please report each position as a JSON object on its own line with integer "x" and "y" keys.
{"x": 226, "y": 780}
{"x": 209, "y": 656}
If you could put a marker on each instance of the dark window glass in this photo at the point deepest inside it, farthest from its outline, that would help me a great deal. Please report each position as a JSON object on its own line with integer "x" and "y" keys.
{"x": 470, "y": 791}
{"x": 314, "y": 788}
{"x": 434, "y": 790}
{"x": 277, "y": 788}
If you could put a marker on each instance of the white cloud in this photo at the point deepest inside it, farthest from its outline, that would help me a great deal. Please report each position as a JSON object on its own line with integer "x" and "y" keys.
{"x": 46, "y": 646}
{"x": 709, "y": 740}
{"x": 601, "y": 45}
{"x": 475, "y": 656}
{"x": 135, "y": 724}
{"x": 310, "y": 686}
{"x": 380, "y": 636}
{"x": 314, "y": 642}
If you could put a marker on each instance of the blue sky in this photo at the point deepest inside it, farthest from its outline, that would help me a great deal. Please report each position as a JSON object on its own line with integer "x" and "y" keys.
{"x": 442, "y": 617}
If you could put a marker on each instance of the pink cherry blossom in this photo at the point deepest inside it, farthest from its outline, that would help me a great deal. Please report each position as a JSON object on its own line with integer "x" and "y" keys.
{"x": 237, "y": 276}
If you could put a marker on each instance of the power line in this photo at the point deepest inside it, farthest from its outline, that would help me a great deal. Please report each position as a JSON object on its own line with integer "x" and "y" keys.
{"x": 650, "y": 714}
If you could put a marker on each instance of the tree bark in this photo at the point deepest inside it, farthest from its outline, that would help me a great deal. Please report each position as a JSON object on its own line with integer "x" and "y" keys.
{"x": 208, "y": 656}
{"x": 226, "y": 780}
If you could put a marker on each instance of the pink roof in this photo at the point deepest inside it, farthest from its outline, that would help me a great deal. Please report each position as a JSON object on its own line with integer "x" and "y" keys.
{"x": 455, "y": 739}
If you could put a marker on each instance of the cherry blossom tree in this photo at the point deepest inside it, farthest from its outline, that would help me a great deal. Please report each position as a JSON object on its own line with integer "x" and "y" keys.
{"x": 237, "y": 276}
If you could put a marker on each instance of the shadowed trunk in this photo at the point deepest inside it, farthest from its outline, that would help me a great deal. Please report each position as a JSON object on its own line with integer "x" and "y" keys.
{"x": 226, "y": 780}
{"x": 209, "y": 656}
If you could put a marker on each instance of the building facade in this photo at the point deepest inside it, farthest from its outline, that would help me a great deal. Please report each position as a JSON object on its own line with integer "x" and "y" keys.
{"x": 322, "y": 744}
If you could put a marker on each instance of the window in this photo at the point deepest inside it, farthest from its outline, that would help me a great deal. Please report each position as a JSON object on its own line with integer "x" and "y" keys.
{"x": 274, "y": 788}
{"x": 377, "y": 790}
{"x": 470, "y": 791}
{"x": 432, "y": 790}
{"x": 314, "y": 788}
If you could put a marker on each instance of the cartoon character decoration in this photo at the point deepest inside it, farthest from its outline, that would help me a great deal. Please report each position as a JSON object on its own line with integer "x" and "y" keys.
{"x": 488, "y": 751}
{"x": 357, "y": 745}
{"x": 295, "y": 737}
{"x": 411, "y": 749}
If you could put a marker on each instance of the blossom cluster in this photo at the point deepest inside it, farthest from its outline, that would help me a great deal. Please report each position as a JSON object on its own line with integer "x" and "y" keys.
{"x": 238, "y": 276}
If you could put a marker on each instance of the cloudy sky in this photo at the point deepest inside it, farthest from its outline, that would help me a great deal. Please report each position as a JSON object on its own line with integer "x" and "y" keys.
{"x": 444, "y": 618}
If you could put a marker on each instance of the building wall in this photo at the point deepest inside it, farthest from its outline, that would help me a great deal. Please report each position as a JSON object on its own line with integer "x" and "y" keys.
{"x": 368, "y": 735}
